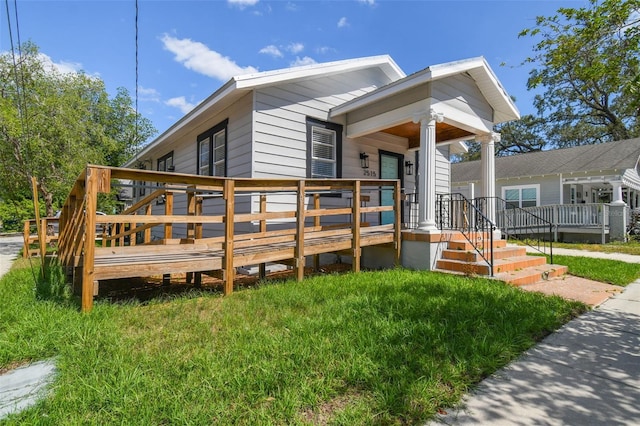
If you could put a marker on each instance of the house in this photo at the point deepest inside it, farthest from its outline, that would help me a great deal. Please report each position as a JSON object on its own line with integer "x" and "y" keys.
{"x": 356, "y": 118}
{"x": 586, "y": 177}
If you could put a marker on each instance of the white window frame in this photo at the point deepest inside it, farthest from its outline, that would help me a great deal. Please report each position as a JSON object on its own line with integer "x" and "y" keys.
{"x": 520, "y": 188}
{"x": 334, "y": 151}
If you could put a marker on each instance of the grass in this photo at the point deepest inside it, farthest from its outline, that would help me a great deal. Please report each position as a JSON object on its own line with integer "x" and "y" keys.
{"x": 604, "y": 270}
{"x": 388, "y": 347}
{"x": 630, "y": 247}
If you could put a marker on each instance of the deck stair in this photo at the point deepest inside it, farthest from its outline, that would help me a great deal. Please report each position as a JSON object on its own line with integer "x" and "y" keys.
{"x": 511, "y": 263}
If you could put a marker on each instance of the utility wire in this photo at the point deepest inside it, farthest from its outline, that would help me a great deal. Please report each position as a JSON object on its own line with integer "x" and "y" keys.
{"x": 20, "y": 95}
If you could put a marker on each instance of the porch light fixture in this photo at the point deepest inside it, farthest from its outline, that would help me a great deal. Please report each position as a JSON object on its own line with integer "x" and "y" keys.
{"x": 408, "y": 168}
{"x": 364, "y": 160}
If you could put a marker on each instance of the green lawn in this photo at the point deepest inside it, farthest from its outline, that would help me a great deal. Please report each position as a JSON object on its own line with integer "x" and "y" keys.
{"x": 385, "y": 347}
{"x": 604, "y": 270}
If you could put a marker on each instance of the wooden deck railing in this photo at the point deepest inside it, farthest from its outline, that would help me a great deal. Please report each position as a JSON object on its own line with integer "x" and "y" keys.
{"x": 49, "y": 227}
{"x": 196, "y": 224}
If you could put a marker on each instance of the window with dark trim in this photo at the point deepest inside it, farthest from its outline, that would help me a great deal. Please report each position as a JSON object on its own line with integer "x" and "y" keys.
{"x": 324, "y": 149}
{"x": 165, "y": 163}
{"x": 212, "y": 151}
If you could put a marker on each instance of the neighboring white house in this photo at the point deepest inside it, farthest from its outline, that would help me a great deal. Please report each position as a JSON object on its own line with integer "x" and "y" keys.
{"x": 327, "y": 120}
{"x": 584, "y": 175}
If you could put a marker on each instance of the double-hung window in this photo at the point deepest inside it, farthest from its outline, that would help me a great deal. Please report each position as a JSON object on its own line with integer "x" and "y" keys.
{"x": 165, "y": 163}
{"x": 212, "y": 151}
{"x": 522, "y": 196}
{"x": 324, "y": 149}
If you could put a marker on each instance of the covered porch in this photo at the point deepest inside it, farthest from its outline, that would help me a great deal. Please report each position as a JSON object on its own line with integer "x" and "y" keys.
{"x": 439, "y": 107}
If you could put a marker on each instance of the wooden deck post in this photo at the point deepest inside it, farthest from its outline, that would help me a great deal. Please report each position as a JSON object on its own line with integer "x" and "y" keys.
{"x": 229, "y": 271}
{"x": 355, "y": 227}
{"x": 262, "y": 268}
{"x": 168, "y": 210}
{"x": 91, "y": 201}
{"x": 26, "y": 232}
{"x": 300, "y": 218}
{"x": 316, "y": 225}
{"x": 398, "y": 221}
{"x": 147, "y": 232}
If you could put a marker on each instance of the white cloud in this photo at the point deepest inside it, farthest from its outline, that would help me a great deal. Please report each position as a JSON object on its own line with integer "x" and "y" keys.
{"x": 295, "y": 48}
{"x": 323, "y": 50}
{"x": 181, "y": 103}
{"x": 343, "y": 22}
{"x": 242, "y": 3}
{"x": 150, "y": 95}
{"x": 272, "y": 51}
{"x": 368, "y": 2}
{"x": 62, "y": 67}
{"x": 199, "y": 58}
{"x": 303, "y": 61}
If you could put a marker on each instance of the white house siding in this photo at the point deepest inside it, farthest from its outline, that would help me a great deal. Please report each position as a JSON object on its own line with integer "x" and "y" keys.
{"x": 280, "y": 132}
{"x": 443, "y": 170}
{"x": 549, "y": 187}
{"x": 460, "y": 92}
{"x": 184, "y": 148}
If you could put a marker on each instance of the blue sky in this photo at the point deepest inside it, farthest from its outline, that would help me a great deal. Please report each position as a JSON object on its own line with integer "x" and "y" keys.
{"x": 187, "y": 49}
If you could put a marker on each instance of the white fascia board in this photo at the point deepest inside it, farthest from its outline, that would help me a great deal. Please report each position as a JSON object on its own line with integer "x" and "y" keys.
{"x": 268, "y": 78}
{"x": 426, "y": 75}
{"x": 493, "y": 91}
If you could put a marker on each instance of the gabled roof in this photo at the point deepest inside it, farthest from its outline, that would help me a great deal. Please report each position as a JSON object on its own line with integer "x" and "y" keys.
{"x": 239, "y": 85}
{"x": 477, "y": 68}
{"x": 619, "y": 155}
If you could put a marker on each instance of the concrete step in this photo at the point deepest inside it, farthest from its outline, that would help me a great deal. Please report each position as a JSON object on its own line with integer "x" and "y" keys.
{"x": 532, "y": 274}
{"x": 499, "y": 265}
{"x": 473, "y": 256}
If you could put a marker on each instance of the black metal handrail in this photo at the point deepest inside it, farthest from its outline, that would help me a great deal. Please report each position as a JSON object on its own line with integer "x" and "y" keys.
{"x": 458, "y": 213}
{"x": 529, "y": 229}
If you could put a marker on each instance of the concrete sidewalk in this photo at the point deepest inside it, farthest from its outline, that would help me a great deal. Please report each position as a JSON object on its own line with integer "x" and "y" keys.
{"x": 24, "y": 386}
{"x": 586, "y": 373}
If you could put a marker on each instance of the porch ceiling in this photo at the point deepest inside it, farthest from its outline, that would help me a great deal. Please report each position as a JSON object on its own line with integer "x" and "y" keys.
{"x": 411, "y": 131}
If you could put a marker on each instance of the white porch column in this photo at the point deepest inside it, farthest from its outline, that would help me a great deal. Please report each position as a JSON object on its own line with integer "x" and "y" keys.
{"x": 617, "y": 192}
{"x": 427, "y": 172}
{"x": 487, "y": 157}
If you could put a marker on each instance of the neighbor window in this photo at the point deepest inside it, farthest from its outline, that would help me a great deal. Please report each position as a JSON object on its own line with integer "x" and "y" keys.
{"x": 521, "y": 196}
{"x": 212, "y": 151}
{"x": 324, "y": 149}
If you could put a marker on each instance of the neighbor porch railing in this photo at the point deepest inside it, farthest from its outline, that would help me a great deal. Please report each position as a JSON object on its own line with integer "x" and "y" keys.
{"x": 521, "y": 224}
{"x": 577, "y": 216}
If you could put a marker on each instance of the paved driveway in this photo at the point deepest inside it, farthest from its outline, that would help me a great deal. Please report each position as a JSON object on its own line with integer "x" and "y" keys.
{"x": 9, "y": 249}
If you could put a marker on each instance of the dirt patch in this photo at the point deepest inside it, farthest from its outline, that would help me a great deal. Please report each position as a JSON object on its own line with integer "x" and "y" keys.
{"x": 324, "y": 413}
{"x": 592, "y": 293}
{"x": 148, "y": 288}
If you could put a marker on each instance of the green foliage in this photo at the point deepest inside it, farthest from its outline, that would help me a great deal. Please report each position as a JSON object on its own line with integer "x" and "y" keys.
{"x": 385, "y": 347}
{"x": 588, "y": 62}
{"x": 52, "y": 124}
{"x": 13, "y": 213}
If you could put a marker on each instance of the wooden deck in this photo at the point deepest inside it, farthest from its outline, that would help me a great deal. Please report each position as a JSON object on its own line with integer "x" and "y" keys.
{"x": 196, "y": 224}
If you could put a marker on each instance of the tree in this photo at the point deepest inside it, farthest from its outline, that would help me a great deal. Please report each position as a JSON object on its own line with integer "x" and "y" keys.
{"x": 53, "y": 124}
{"x": 516, "y": 137}
{"x": 587, "y": 62}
